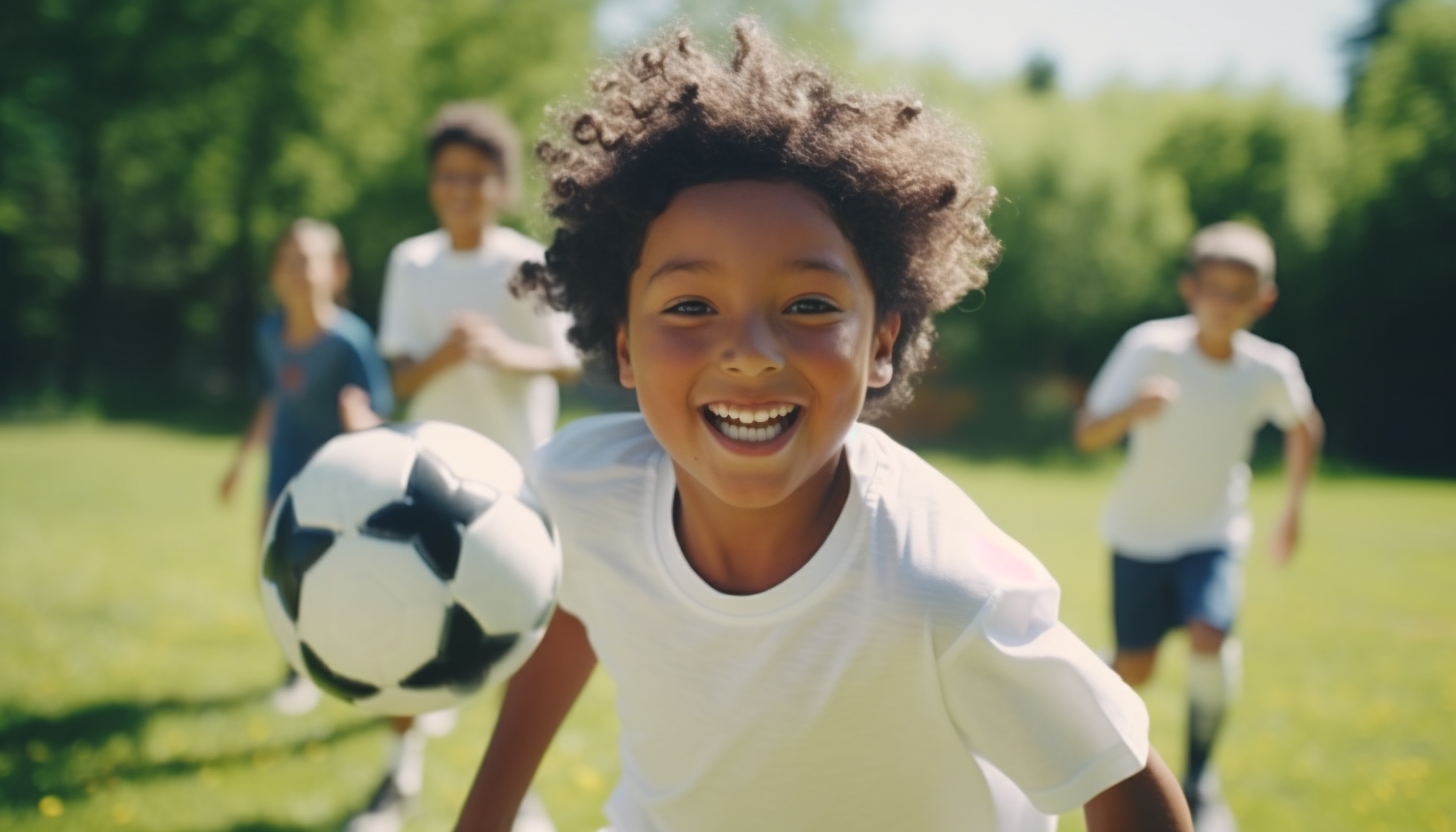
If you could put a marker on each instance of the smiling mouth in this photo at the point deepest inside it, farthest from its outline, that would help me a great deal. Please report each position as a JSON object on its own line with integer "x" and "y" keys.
{"x": 751, "y": 424}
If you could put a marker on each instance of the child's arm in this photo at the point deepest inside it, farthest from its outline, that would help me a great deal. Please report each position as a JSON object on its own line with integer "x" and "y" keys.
{"x": 1301, "y": 450}
{"x": 1149, "y": 801}
{"x": 475, "y": 337}
{"x": 257, "y": 435}
{"x": 536, "y": 701}
{"x": 1092, "y": 435}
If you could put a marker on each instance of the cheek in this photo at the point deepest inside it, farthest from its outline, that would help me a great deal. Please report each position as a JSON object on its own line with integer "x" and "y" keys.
{"x": 835, "y": 351}
{"x": 665, "y": 353}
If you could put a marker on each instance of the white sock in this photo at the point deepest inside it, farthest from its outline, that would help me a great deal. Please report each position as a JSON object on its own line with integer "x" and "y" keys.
{"x": 1208, "y": 694}
{"x": 1213, "y": 682}
{"x": 408, "y": 762}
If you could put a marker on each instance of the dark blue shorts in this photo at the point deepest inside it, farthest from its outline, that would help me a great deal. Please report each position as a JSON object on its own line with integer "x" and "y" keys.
{"x": 1149, "y": 598}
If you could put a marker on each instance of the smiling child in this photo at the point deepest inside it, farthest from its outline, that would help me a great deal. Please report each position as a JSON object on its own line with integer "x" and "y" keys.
{"x": 807, "y": 625}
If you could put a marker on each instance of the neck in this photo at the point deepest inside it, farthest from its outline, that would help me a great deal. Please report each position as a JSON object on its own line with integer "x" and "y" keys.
{"x": 304, "y": 322}
{"x": 742, "y": 551}
{"x": 468, "y": 238}
{"x": 1219, "y": 347}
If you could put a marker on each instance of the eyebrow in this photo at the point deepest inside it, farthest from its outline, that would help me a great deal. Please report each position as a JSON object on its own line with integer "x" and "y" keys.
{"x": 804, "y": 264}
{"x": 678, "y": 265}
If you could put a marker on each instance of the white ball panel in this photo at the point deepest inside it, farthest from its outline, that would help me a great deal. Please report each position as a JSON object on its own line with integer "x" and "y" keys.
{"x": 471, "y": 456}
{"x": 352, "y": 476}
{"x": 281, "y": 625}
{"x": 509, "y": 564}
{"x": 372, "y": 610}
{"x": 401, "y": 702}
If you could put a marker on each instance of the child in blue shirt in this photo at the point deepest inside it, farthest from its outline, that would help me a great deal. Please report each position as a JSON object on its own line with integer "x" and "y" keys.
{"x": 321, "y": 373}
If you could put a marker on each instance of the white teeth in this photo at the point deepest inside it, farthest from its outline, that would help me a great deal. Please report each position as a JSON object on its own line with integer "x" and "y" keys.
{"x": 742, "y": 423}
{"x": 743, "y": 433}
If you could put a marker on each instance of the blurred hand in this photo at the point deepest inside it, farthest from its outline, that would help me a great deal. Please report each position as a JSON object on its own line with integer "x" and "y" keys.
{"x": 456, "y": 347}
{"x": 355, "y": 410}
{"x": 477, "y": 337}
{"x": 1286, "y": 537}
{"x": 1153, "y": 396}
{"x": 229, "y": 483}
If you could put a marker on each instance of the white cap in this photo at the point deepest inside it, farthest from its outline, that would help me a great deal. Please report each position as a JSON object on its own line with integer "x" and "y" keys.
{"x": 1235, "y": 242}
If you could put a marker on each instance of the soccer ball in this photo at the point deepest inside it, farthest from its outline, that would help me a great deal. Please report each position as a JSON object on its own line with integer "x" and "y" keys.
{"x": 408, "y": 565}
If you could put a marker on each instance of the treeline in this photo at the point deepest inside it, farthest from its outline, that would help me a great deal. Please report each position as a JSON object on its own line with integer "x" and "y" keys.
{"x": 149, "y": 151}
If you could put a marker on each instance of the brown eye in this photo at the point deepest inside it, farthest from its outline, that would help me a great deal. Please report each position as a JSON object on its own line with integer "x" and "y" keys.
{"x": 811, "y": 306}
{"x": 689, "y": 307}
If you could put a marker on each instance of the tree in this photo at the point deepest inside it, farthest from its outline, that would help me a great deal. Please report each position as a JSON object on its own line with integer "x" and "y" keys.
{"x": 1392, "y": 367}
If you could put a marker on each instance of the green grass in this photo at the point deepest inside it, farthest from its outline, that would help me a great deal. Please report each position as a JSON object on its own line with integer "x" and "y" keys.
{"x": 134, "y": 665}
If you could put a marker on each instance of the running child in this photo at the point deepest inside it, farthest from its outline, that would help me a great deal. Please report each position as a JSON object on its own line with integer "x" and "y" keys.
{"x": 463, "y": 348}
{"x": 1190, "y": 393}
{"x": 321, "y": 373}
{"x": 807, "y": 625}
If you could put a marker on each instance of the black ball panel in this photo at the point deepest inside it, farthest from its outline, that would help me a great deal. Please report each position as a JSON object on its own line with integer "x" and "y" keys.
{"x": 291, "y": 552}
{"x": 466, "y": 655}
{"x": 339, "y": 685}
{"x": 434, "y": 513}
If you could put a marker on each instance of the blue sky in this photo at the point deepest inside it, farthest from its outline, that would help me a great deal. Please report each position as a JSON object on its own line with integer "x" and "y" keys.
{"x": 1246, "y": 43}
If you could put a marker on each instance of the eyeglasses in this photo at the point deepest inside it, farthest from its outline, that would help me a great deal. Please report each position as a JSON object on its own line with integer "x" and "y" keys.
{"x": 1211, "y": 293}
{"x": 464, "y": 180}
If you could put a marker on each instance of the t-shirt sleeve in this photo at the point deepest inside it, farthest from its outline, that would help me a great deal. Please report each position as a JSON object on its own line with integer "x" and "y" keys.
{"x": 1034, "y": 701}
{"x": 399, "y": 331}
{"x": 1117, "y": 383}
{"x": 1288, "y": 398}
{"x": 367, "y": 370}
{"x": 545, "y": 327}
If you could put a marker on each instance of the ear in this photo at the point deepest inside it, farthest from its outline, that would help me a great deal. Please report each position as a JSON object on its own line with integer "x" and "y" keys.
{"x": 1188, "y": 289}
{"x": 625, "y": 375}
{"x": 882, "y": 355}
{"x": 1268, "y": 293}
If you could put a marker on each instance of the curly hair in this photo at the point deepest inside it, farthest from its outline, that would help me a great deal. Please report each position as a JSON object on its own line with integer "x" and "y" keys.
{"x": 483, "y": 127}
{"x": 901, "y": 184}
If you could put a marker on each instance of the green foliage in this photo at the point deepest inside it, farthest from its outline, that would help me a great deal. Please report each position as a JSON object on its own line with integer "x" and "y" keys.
{"x": 152, "y": 151}
{"x": 1099, "y": 196}
{"x": 1381, "y": 340}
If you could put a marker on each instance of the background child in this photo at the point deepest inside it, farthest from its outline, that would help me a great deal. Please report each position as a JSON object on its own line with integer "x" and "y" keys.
{"x": 321, "y": 373}
{"x": 1191, "y": 392}
{"x": 463, "y": 348}
{"x": 808, "y": 626}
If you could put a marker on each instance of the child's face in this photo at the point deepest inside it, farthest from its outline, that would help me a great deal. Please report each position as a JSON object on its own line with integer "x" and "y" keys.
{"x": 465, "y": 188}
{"x": 1225, "y": 297}
{"x": 750, "y": 307}
{"x": 306, "y": 269}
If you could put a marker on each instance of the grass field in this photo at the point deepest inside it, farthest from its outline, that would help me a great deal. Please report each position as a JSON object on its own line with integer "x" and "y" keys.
{"x": 134, "y": 663}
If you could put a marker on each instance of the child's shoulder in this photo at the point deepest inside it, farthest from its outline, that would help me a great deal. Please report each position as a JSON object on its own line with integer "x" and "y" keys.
{"x": 943, "y": 541}
{"x": 421, "y": 250}
{"x": 1265, "y": 352}
{"x": 1162, "y": 334}
{"x": 352, "y": 329}
{"x": 612, "y": 444}
{"x": 270, "y": 326}
{"x": 514, "y": 244}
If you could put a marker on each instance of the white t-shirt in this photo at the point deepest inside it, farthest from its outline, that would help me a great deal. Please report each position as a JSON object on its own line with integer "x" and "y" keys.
{"x": 904, "y": 678}
{"x": 426, "y": 286}
{"x": 1185, "y": 483}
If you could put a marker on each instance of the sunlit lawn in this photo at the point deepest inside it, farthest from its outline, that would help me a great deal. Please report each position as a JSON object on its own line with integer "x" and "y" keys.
{"x": 134, "y": 664}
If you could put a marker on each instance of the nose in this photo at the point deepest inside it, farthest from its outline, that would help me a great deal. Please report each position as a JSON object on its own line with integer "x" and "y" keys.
{"x": 752, "y": 349}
